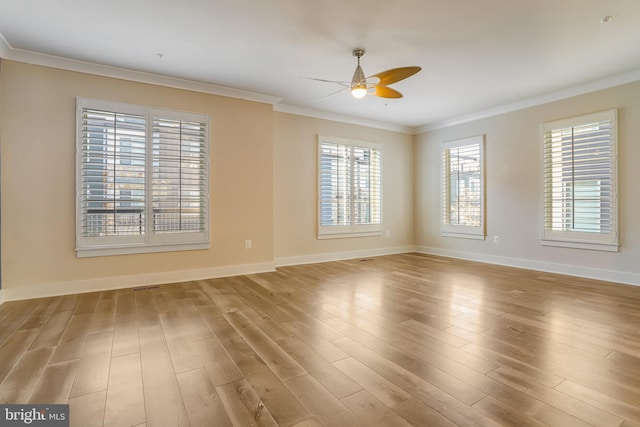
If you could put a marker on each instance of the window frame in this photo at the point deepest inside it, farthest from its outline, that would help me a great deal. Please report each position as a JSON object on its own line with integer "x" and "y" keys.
{"x": 460, "y": 230}
{"x": 349, "y": 230}
{"x": 599, "y": 241}
{"x": 148, "y": 242}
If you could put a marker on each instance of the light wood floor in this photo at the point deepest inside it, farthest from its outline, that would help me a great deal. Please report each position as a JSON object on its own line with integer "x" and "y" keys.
{"x": 397, "y": 340}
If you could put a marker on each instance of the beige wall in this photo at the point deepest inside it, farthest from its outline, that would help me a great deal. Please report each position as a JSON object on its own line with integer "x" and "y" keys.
{"x": 259, "y": 160}
{"x": 264, "y": 187}
{"x": 513, "y": 181}
{"x": 296, "y": 191}
{"x": 37, "y": 121}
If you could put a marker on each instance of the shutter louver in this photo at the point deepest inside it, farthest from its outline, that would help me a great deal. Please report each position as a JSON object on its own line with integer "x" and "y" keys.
{"x": 462, "y": 191}
{"x": 349, "y": 188}
{"x": 179, "y": 174}
{"x": 142, "y": 182}
{"x": 335, "y": 184}
{"x": 112, "y": 174}
{"x": 577, "y": 178}
{"x": 579, "y": 182}
{"x": 366, "y": 186}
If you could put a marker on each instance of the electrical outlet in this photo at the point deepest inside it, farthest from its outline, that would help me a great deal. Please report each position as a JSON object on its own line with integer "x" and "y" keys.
{"x": 496, "y": 239}
{"x": 247, "y": 244}
{"x": 387, "y": 234}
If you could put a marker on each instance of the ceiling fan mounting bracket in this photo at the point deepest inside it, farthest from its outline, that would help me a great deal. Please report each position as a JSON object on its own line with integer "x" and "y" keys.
{"x": 358, "y": 52}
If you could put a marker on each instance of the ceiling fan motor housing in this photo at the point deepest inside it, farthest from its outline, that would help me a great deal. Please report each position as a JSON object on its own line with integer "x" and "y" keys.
{"x": 359, "y": 81}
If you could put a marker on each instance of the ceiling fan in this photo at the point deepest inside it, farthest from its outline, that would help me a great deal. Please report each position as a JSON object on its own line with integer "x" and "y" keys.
{"x": 360, "y": 85}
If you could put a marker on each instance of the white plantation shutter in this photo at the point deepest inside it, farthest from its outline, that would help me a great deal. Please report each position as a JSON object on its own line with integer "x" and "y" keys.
{"x": 350, "y": 188}
{"x": 579, "y": 188}
{"x": 366, "y": 185}
{"x": 179, "y": 176}
{"x": 462, "y": 178}
{"x": 142, "y": 179}
{"x": 335, "y": 185}
{"x": 112, "y": 176}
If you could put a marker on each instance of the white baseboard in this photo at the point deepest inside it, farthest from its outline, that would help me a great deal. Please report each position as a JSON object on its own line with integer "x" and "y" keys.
{"x": 625, "y": 277}
{"x": 119, "y": 282}
{"x": 339, "y": 256}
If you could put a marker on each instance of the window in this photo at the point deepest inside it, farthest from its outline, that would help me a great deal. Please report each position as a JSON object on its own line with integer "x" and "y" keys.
{"x": 349, "y": 188}
{"x": 142, "y": 179}
{"x": 463, "y": 188}
{"x": 579, "y": 188}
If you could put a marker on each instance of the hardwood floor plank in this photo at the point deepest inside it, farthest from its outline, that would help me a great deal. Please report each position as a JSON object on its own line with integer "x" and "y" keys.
{"x": 505, "y": 415}
{"x": 51, "y": 332}
{"x": 87, "y": 410}
{"x": 279, "y": 400}
{"x": 372, "y": 411}
{"x": 20, "y": 383}
{"x": 381, "y": 388}
{"x": 219, "y": 366}
{"x": 162, "y": 397}
{"x": 327, "y": 408}
{"x": 72, "y": 341}
{"x": 126, "y": 338}
{"x": 243, "y": 405}
{"x": 446, "y": 382}
{"x": 125, "y": 306}
{"x": 429, "y": 394}
{"x": 339, "y": 384}
{"x": 554, "y": 417}
{"x": 12, "y": 349}
{"x": 449, "y": 407}
{"x": 55, "y": 383}
{"x": 93, "y": 372}
{"x": 104, "y": 316}
{"x": 39, "y": 316}
{"x": 506, "y": 362}
{"x": 551, "y": 396}
{"x": 192, "y": 321}
{"x": 12, "y": 315}
{"x": 310, "y": 422}
{"x": 419, "y": 414}
{"x": 277, "y": 359}
{"x": 201, "y": 400}
{"x": 183, "y": 354}
{"x": 319, "y": 338}
{"x": 87, "y": 303}
{"x": 600, "y": 400}
{"x": 125, "y": 398}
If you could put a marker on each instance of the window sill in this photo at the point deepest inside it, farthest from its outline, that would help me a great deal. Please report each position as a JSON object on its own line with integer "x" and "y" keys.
{"x": 463, "y": 235}
{"x": 138, "y": 249}
{"x": 349, "y": 235}
{"x": 594, "y": 246}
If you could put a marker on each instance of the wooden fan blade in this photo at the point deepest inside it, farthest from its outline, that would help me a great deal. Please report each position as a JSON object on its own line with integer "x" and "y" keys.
{"x": 386, "y": 92}
{"x": 396, "y": 74}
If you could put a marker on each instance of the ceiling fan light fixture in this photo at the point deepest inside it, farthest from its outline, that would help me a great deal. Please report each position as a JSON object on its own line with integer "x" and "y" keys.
{"x": 359, "y": 81}
{"x": 359, "y": 90}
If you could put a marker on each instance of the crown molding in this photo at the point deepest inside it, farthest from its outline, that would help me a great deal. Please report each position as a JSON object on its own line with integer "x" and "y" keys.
{"x": 582, "y": 89}
{"x": 5, "y": 47}
{"x": 9, "y": 53}
{"x": 34, "y": 58}
{"x": 325, "y": 115}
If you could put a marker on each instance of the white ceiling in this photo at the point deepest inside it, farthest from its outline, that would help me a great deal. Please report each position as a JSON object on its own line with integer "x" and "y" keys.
{"x": 476, "y": 55}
